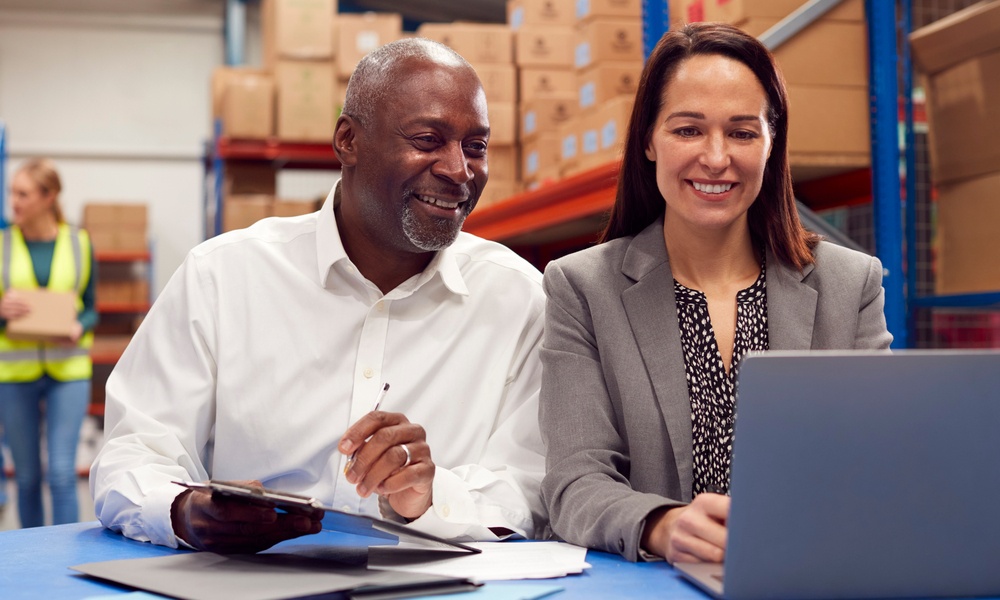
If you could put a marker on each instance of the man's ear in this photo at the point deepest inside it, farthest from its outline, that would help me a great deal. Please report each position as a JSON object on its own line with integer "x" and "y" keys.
{"x": 345, "y": 141}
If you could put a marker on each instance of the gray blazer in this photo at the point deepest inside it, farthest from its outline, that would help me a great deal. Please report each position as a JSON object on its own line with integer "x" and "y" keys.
{"x": 615, "y": 411}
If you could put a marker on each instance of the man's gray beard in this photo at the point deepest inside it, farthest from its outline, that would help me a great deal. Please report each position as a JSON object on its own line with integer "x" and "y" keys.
{"x": 429, "y": 239}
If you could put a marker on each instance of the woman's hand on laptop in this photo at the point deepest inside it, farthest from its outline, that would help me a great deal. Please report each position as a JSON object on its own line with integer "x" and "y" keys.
{"x": 692, "y": 533}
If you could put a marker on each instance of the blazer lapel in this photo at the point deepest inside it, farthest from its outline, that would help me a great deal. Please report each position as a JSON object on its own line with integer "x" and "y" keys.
{"x": 652, "y": 314}
{"x": 791, "y": 307}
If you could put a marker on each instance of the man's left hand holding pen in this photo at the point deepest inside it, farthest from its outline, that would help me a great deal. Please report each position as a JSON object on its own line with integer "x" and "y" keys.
{"x": 390, "y": 457}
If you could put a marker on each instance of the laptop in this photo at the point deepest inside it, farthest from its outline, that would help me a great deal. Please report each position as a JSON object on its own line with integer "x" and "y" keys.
{"x": 863, "y": 475}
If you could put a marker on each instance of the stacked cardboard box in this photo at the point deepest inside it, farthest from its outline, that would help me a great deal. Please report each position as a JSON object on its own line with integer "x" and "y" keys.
{"x": 826, "y": 70}
{"x": 489, "y": 49}
{"x": 243, "y": 100}
{"x": 608, "y": 61}
{"x": 116, "y": 227}
{"x": 357, "y": 34}
{"x": 544, "y": 37}
{"x": 248, "y": 191}
{"x": 299, "y": 52}
{"x": 959, "y": 57}
{"x": 309, "y": 53}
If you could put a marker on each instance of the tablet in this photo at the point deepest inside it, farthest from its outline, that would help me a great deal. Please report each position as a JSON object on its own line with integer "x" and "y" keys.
{"x": 344, "y": 521}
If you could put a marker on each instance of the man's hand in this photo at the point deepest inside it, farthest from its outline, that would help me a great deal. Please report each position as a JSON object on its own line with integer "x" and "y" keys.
{"x": 234, "y": 526}
{"x": 380, "y": 441}
{"x": 692, "y": 533}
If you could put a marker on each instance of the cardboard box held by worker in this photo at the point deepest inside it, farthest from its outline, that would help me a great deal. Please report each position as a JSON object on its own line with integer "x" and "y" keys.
{"x": 52, "y": 317}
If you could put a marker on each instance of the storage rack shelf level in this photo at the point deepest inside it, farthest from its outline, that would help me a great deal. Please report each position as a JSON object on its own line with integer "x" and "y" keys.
{"x": 105, "y": 355}
{"x": 279, "y": 154}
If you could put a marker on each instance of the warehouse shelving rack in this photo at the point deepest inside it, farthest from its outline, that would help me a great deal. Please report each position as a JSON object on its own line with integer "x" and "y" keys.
{"x": 564, "y": 215}
{"x": 276, "y": 153}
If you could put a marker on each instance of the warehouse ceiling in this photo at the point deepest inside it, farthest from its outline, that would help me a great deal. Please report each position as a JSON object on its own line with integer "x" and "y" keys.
{"x": 412, "y": 10}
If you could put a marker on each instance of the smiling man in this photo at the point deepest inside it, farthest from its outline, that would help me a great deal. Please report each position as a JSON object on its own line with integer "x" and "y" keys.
{"x": 262, "y": 358}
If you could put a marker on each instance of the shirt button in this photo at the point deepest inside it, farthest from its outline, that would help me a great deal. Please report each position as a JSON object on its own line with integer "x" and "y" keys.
{"x": 380, "y": 306}
{"x": 368, "y": 373}
{"x": 345, "y": 508}
{"x": 445, "y": 511}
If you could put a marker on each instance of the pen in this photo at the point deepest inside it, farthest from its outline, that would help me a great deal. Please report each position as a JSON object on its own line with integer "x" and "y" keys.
{"x": 378, "y": 402}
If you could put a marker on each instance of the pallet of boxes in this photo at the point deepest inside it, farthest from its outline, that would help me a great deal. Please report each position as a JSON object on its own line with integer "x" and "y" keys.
{"x": 825, "y": 66}
{"x": 309, "y": 52}
{"x": 489, "y": 49}
{"x": 959, "y": 58}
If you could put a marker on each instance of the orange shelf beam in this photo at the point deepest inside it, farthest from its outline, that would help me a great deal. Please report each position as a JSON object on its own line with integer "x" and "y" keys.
{"x": 105, "y": 358}
{"x": 274, "y": 149}
{"x": 112, "y": 256}
{"x": 585, "y": 194}
{"x": 122, "y": 307}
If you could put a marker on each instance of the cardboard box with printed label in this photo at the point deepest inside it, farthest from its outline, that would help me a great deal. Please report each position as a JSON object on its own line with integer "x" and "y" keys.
{"x": 602, "y": 133}
{"x": 478, "y": 43}
{"x": 602, "y": 82}
{"x": 499, "y": 81}
{"x": 608, "y": 40}
{"x": 540, "y": 158}
{"x": 545, "y": 115}
{"x": 541, "y": 12}
{"x": 569, "y": 146}
{"x": 548, "y": 47}
{"x": 358, "y": 34}
{"x": 542, "y": 83}
{"x": 297, "y": 29}
{"x": 960, "y": 59}
{"x": 306, "y": 106}
{"x": 589, "y": 9}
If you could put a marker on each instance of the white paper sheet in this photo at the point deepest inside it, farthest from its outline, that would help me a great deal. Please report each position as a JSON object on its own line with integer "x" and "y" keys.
{"x": 498, "y": 561}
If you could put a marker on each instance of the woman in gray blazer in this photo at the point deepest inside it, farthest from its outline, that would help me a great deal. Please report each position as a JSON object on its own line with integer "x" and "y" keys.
{"x": 703, "y": 261}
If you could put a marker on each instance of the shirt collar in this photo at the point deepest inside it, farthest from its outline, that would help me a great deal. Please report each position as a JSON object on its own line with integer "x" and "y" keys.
{"x": 330, "y": 251}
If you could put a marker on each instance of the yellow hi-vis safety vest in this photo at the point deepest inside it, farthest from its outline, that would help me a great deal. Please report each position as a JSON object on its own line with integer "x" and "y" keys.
{"x": 27, "y": 361}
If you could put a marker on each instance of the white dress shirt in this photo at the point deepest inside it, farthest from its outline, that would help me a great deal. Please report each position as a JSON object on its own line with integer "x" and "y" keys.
{"x": 267, "y": 343}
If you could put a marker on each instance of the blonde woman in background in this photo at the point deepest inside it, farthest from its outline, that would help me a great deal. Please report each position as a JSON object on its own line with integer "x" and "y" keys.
{"x": 40, "y": 250}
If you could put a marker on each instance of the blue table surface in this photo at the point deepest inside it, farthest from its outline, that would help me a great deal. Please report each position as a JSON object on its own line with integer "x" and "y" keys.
{"x": 34, "y": 564}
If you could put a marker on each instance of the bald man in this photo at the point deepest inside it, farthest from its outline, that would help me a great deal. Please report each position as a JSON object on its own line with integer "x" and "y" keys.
{"x": 263, "y": 356}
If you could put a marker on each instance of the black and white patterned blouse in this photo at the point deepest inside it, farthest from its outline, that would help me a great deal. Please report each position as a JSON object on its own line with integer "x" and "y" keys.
{"x": 713, "y": 392}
